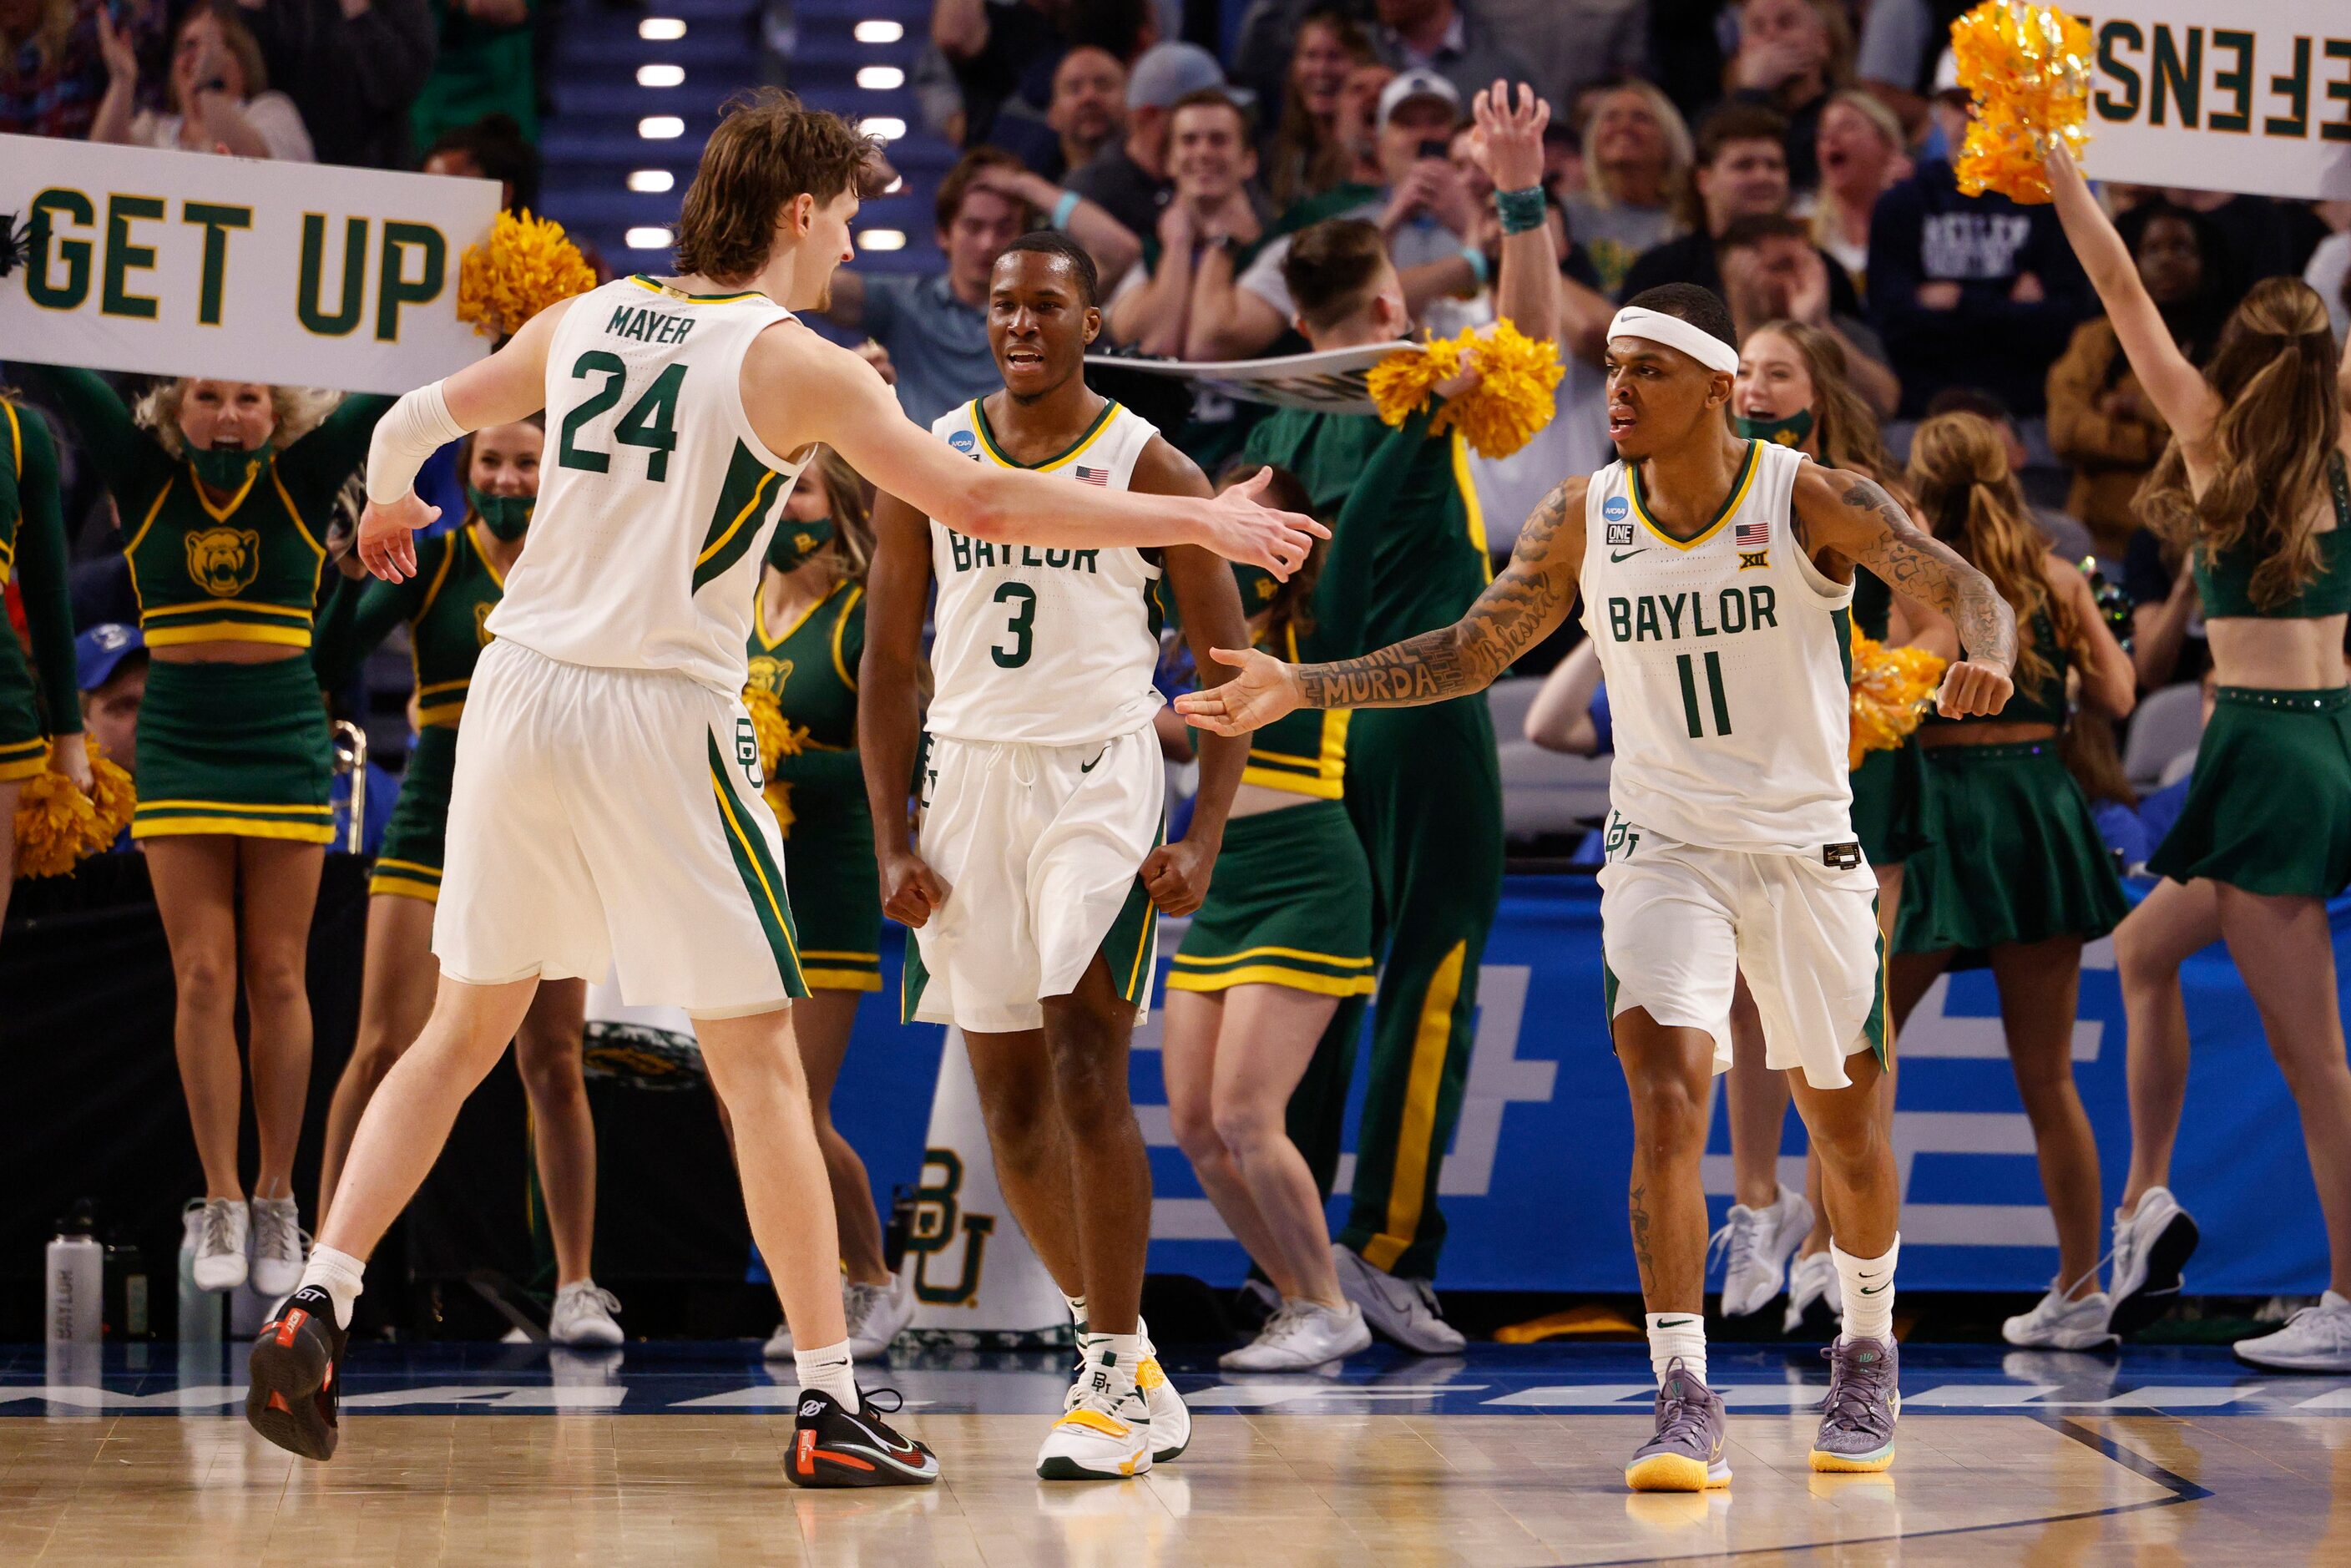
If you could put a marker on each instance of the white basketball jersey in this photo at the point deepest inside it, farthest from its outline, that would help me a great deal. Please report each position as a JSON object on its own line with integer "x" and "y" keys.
{"x": 655, "y": 496}
{"x": 1050, "y": 647}
{"x": 1726, "y": 659}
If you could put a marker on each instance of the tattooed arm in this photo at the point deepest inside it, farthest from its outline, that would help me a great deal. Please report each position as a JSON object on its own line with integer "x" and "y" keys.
{"x": 1518, "y": 610}
{"x": 1845, "y": 514}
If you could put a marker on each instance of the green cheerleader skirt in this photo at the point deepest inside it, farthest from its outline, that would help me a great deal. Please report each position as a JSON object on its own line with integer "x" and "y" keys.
{"x": 1889, "y": 792}
{"x": 409, "y": 863}
{"x": 2269, "y": 809}
{"x": 1289, "y": 903}
{"x": 829, "y": 877}
{"x": 2014, "y": 854}
{"x": 237, "y": 749}
{"x": 24, "y": 740}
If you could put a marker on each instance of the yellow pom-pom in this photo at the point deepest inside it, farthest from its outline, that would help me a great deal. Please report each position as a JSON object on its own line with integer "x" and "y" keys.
{"x": 779, "y": 801}
{"x": 1402, "y": 384}
{"x": 526, "y": 266}
{"x": 1891, "y": 688}
{"x": 113, "y": 797}
{"x": 2027, "y": 69}
{"x": 54, "y": 820}
{"x": 1513, "y": 395}
{"x": 778, "y": 736}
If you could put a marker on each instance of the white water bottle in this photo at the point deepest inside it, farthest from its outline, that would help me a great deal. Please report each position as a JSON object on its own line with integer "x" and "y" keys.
{"x": 76, "y": 1276}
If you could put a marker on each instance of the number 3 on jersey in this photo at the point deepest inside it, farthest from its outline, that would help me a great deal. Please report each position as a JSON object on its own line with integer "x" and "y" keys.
{"x": 1022, "y": 625}
{"x": 651, "y": 422}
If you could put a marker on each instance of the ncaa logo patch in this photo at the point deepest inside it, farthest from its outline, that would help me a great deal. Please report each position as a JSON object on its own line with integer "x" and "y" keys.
{"x": 1620, "y": 533}
{"x": 1615, "y": 509}
{"x": 963, "y": 440}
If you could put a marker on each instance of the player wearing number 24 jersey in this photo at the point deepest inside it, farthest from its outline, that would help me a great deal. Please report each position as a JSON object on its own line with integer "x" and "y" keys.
{"x": 1716, "y": 576}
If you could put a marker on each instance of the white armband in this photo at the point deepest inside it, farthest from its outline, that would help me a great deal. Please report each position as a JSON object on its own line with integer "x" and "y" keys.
{"x": 413, "y": 430}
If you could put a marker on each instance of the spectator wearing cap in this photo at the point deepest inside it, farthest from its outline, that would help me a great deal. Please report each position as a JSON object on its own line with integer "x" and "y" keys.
{"x": 1087, "y": 113}
{"x": 1444, "y": 36}
{"x": 1424, "y": 213}
{"x": 934, "y": 327}
{"x": 1970, "y": 291}
{"x": 1128, "y": 178}
{"x": 1772, "y": 271}
{"x": 218, "y": 93}
{"x": 1792, "y": 54}
{"x": 110, "y": 670}
{"x": 1741, "y": 172}
{"x": 1636, "y": 170}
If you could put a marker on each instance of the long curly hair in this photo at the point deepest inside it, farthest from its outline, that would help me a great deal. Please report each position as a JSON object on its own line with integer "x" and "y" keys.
{"x": 1959, "y": 467}
{"x": 2280, "y": 422}
{"x": 299, "y": 410}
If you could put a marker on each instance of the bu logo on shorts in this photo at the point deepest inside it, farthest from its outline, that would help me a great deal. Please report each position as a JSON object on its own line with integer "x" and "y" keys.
{"x": 746, "y": 752}
{"x": 1622, "y": 835}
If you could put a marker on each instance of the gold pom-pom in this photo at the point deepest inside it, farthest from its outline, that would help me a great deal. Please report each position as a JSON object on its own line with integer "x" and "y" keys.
{"x": 1402, "y": 384}
{"x": 779, "y": 801}
{"x": 113, "y": 797}
{"x": 1508, "y": 398}
{"x": 1891, "y": 689}
{"x": 526, "y": 266}
{"x": 2027, "y": 69}
{"x": 777, "y": 737}
{"x": 54, "y": 820}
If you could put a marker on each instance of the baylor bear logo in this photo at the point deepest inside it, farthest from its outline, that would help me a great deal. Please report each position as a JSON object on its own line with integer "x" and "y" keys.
{"x": 770, "y": 674}
{"x": 482, "y": 634}
{"x": 225, "y": 561}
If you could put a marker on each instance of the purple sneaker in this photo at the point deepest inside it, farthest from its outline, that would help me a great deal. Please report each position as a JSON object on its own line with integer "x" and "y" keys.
{"x": 1686, "y": 1453}
{"x": 1858, "y": 1418}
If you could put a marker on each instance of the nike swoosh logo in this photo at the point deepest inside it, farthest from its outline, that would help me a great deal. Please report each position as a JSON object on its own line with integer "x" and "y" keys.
{"x": 1088, "y": 767}
{"x": 884, "y": 1444}
{"x": 1614, "y": 556}
{"x": 1673, "y": 1323}
{"x": 1873, "y": 1290}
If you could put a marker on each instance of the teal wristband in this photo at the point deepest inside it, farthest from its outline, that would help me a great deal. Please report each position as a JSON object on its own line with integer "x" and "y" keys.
{"x": 1062, "y": 209}
{"x": 1520, "y": 210}
{"x": 1476, "y": 260}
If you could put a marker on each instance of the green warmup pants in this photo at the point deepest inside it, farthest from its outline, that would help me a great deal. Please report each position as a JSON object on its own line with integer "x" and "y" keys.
{"x": 1426, "y": 796}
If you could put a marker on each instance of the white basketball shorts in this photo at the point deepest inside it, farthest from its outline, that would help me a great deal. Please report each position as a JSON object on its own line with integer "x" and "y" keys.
{"x": 1680, "y": 924}
{"x": 611, "y": 820}
{"x": 1041, "y": 847}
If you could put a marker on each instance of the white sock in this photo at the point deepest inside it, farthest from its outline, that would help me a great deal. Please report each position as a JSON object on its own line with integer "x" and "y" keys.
{"x": 337, "y": 1274}
{"x": 1677, "y": 1337}
{"x": 828, "y": 1368}
{"x": 1866, "y": 1287}
{"x": 1125, "y": 1351}
{"x": 1077, "y": 1309}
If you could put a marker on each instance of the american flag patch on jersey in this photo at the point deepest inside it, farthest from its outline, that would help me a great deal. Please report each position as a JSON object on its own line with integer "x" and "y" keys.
{"x": 1099, "y": 477}
{"x": 1751, "y": 535}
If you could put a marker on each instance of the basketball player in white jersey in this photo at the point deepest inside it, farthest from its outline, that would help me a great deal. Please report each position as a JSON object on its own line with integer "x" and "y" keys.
{"x": 607, "y": 809}
{"x": 1716, "y": 576}
{"x": 1042, "y": 873}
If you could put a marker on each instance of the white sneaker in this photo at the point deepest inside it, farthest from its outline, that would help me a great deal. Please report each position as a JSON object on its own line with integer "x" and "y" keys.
{"x": 780, "y": 1345}
{"x": 1405, "y": 1310}
{"x": 583, "y": 1317}
{"x": 1302, "y": 1334}
{"x": 2150, "y": 1248}
{"x": 1171, "y": 1418}
{"x": 220, "y": 1263}
{"x": 1104, "y": 1435}
{"x": 2316, "y": 1339}
{"x": 1813, "y": 1292}
{"x": 280, "y": 1247}
{"x": 2057, "y": 1323}
{"x": 876, "y": 1315}
{"x": 1757, "y": 1244}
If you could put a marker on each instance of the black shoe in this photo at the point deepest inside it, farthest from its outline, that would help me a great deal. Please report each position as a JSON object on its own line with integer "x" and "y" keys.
{"x": 833, "y": 1447}
{"x": 292, "y": 1402}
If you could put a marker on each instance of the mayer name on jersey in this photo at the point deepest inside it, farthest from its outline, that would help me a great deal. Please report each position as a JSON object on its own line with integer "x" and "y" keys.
{"x": 1727, "y": 661}
{"x": 655, "y": 495}
{"x": 1050, "y": 647}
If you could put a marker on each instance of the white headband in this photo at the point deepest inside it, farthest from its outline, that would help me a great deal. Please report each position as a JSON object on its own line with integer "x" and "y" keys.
{"x": 1675, "y": 333}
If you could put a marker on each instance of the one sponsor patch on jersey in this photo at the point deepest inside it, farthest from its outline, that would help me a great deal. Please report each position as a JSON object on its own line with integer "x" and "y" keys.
{"x": 1620, "y": 533}
{"x": 1750, "y": 560}
{"x": 1615, "y": 509}
{"x": 963, "y": 440}
{"x": 1753, "y": 534}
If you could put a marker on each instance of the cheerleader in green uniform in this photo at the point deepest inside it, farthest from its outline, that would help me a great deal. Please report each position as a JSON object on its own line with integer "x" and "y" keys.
{"x": 460, "y": 577}
{"x": 2015, "y": 870}
{"x": 2254, "y": 484}
{"x": 1792, "y": 388}
{"x": 34, "y": 716}
{"x": 808, "y": 633}
{"x": 1285, "y": 934}
{"x": 222, "y": 489}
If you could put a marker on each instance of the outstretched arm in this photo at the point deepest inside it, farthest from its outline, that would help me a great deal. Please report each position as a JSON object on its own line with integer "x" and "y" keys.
{"x": 1518, "y": 610}
{"x": 1853, "y": 518}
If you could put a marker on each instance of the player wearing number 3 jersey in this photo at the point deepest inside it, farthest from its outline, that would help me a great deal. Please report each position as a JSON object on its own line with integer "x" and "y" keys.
{"x": 1716, "y": 575}
{"x": 607, "y": 805}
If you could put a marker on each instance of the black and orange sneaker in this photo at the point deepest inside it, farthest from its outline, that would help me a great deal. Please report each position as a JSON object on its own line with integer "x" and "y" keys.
{"x": 292, "y": 1402}
{"x": 833, "y": 1447}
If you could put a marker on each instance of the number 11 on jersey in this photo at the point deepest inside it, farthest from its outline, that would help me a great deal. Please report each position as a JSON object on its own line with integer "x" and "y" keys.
{"x": 1713, "y": 691}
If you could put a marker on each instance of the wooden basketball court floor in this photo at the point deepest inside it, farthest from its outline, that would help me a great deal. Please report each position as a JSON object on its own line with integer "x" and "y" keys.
{"x": 674, "y": 1454}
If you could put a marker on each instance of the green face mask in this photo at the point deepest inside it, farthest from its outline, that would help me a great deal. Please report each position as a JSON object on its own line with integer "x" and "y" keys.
{"x": 505, "y": 515}
{"x": 796, "y": 540}
{"x": 226, "y": 470}
{"x": 1792, "y": 431}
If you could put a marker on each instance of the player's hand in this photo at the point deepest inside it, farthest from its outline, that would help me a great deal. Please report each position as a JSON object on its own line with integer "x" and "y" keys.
{"x": 70, "y": 755}
{"x": 1974, "y": 690}
{"x": 1265, "y": 689}
{"x": 388, "y": 536}
{"x": 1238, "y": 528}
{"x": 1176, "y": 875}
{"x": 911, "y": 890}
{"x": 1507, "y": 143}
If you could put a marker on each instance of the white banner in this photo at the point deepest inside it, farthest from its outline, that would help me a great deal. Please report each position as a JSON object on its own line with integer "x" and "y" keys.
{"x": 191, "y": 264}
{"x": 2223, "y": 95}
{"x": 1330, "y": 381}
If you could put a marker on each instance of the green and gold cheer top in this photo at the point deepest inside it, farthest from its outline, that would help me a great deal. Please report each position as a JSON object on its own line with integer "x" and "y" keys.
{"x": 33, "y": 550}
{"x": 810, "y": 666}
{"x": 446, "y": 605}
{"x": 1304, "y": 752}
{"x": 242, "y": 570}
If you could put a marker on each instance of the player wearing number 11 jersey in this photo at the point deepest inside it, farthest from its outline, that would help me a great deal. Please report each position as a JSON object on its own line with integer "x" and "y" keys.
{"x": 607, "y": 809}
